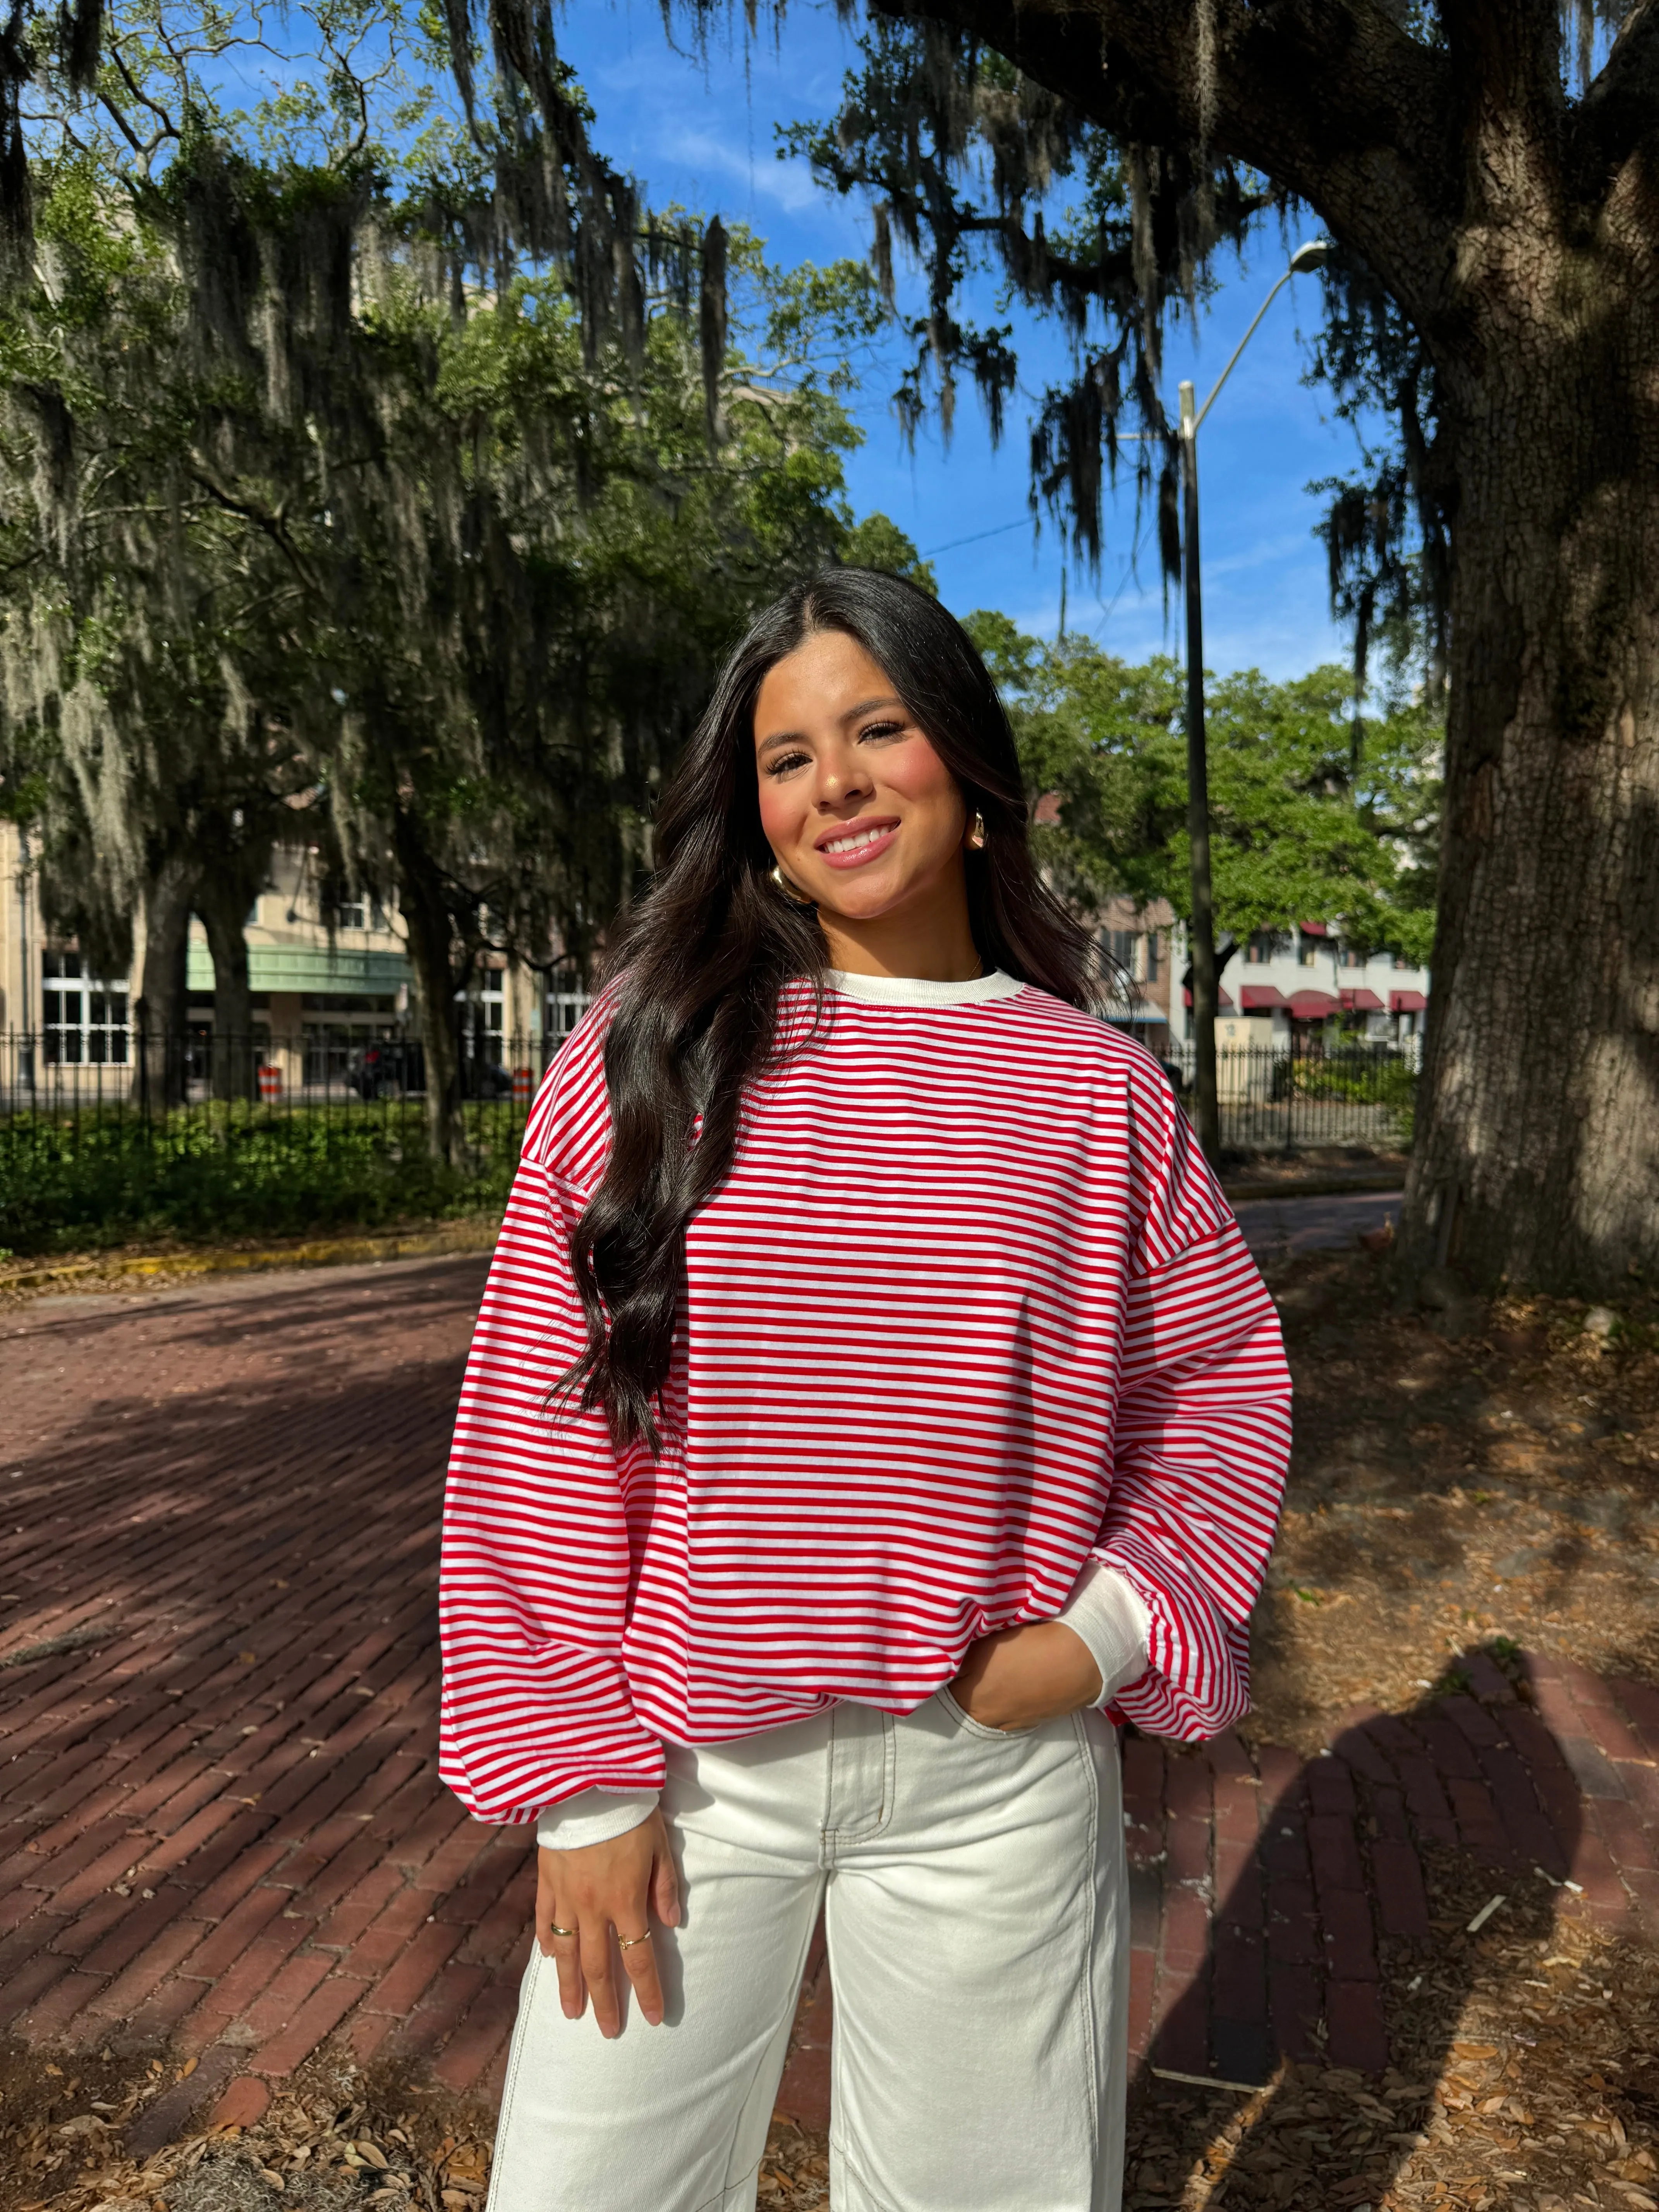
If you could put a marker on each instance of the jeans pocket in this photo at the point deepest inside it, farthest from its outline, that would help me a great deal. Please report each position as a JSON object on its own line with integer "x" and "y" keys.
{"x": 969, "y": 1726}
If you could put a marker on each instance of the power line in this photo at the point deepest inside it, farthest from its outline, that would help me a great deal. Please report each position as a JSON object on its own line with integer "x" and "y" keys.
{"x": 1000, "y": 530}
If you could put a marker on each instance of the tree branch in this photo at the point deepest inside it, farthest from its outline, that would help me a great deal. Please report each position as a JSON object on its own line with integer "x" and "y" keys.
{"x": 1509, "y": 52}
{"x": 1330, "y": 98}
{"x": 1511, "y": 104}
{"x": 168, "y": 128}
{"x": 111, "y": 108}
{"x": 262, "y": 518}
{"x": 1620, "y": 112}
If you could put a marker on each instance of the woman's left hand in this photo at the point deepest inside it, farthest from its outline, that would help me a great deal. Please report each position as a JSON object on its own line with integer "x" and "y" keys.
{"x": 1019, "y": 1677}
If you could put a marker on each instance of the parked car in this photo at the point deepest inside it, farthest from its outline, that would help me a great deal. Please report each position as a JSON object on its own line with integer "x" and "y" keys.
{"x": 395, "y": 1068}
{"x": 482, "y": 1078}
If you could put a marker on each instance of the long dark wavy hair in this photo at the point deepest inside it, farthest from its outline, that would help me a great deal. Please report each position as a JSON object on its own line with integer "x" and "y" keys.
{"x": 701, "y": 960}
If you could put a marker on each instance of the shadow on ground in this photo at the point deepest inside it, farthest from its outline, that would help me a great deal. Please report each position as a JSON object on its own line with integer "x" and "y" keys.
{"x": 1336, "y": 1943}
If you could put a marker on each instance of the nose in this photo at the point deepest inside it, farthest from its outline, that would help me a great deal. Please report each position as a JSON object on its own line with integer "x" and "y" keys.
{"x": 844, "y": 780}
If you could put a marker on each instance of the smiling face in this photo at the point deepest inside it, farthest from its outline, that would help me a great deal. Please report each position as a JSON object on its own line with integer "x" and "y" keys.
{"x": 860, "y": 810}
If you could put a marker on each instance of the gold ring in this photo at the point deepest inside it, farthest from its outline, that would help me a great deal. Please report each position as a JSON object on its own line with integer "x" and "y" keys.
{"x": 554, "y": 1930}
{"x": 627, "y": 1942}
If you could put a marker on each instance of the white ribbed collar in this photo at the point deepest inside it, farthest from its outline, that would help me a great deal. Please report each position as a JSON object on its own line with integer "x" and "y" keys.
{"x": 916, "y": 991}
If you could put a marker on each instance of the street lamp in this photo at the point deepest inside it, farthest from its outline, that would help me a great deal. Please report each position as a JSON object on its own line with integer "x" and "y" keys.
{"x": 1208, "y": 1115}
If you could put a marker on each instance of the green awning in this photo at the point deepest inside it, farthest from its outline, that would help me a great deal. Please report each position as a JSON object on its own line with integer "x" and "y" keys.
{"x": 310, "y": 967}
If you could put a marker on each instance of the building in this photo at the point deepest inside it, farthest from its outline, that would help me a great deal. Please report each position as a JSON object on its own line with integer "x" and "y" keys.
{"x": 1303, "y": 988}
{"x": 1283, "y": 990}
{"x": 1140, "y": 945}
{"x": 318, "y": 995}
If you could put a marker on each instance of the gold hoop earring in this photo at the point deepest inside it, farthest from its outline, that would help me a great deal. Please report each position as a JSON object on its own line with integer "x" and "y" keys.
{"x": 793, "y": 892}
{"x": 975, "y": 838}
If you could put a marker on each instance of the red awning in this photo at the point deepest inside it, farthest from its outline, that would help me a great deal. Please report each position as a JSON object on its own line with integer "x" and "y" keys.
{"x": 1362, "y": 1002}
{"x": 1261, "y": 998}
{"x": 1407, "y": 1002}
{"x": 1223, "y": 1004}
{"x": 1313, "y": 1005}
{"x": 1314, "y": 928}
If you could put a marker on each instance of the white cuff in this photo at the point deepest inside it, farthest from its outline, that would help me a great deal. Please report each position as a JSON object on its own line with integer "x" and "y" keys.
{"x": 1113, "y": 1619}
{"x": 592, "y": 1816}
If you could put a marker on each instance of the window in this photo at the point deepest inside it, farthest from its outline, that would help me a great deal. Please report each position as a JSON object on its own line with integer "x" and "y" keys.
{"x": 1352, "y": 957}
{"x": 1134, "y": 952}
{"x": 564, "y": 1009}
{"x": 1309, "y": 953}
{"x": 1265, "y": 944}
{"x": 328, "y": 1047}
{"x": 359, "y": 911}
{"x": 484, "y": 1024}
{"x": 85, "y": 1020}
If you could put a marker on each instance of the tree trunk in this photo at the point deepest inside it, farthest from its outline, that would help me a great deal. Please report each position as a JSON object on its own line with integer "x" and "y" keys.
{"x": 159, "y": 1065}
{"x": 1537, "y": 1151}
{"x": 222, "y": 901}
{"x": 427, "y": 919}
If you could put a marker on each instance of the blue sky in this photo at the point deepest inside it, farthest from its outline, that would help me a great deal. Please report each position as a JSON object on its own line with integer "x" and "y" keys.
{"x": 700, "y": 130}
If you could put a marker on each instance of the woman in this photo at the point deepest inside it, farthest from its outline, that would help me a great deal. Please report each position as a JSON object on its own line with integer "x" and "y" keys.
{"x": 872, "y": 1397}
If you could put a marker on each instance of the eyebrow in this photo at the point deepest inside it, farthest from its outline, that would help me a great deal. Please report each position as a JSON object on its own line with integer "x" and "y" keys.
{"x": 864, "y": 707}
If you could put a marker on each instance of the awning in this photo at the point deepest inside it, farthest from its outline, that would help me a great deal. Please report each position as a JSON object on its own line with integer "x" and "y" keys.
{"x": 1261, "y": 999}
{"x": 1314, "y": 928}
{"x": 312, "y": 968}
{"x": 1362, "y": 1002}
{"x": 1223, "y": 1004}
{"x": 1313, "y": 1005}
{"x": 1407, "y": 1002}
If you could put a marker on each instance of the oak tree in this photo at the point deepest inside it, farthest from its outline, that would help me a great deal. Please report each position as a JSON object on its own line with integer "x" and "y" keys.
{"x": 1312, "y": 819}
{"x": 444, "y": 471}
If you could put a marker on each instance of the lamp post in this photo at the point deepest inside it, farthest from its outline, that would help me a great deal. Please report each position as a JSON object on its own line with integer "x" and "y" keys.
{"x": 1202, "y": 931}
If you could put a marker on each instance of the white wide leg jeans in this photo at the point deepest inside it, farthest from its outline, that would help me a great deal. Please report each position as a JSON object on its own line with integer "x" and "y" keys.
{"x": 976, "y": 1914}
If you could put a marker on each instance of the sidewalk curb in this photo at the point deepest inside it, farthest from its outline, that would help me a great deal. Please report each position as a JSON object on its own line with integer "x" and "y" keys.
{"x": 1248, "y": 1194}
{"x": 477, "y": 1235}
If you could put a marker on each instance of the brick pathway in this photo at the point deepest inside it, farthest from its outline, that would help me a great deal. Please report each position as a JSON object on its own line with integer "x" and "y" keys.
{"x": 224, "y": 1821}
{"x": 1260, "y": 1887}
{"x": 221, "y": 1818}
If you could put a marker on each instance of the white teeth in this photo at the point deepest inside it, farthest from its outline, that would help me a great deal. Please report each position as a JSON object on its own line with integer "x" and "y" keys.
{"x": 855, "y": 844}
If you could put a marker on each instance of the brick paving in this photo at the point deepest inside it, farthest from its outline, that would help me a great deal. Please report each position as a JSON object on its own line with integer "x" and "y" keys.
{"x": 221, "y": 1823}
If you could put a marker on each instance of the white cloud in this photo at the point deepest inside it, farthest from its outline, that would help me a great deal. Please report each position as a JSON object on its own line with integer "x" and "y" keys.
{"x": 788, "y": 185}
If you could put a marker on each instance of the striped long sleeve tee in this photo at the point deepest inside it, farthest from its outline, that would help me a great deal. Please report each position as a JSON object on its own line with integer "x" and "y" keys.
{"x": 969, "y": 1308}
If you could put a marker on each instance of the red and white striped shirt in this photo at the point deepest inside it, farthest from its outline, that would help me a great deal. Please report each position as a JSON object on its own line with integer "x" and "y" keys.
{"x": 968, "y": 1307}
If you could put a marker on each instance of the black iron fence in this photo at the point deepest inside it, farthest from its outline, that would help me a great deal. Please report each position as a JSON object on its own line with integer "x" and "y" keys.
{"x": 106, "y": 1137}
{"x": 113, "y": 1066}
{"x": 1351, "y": 1092}
{"x": 109, "y": 1138}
